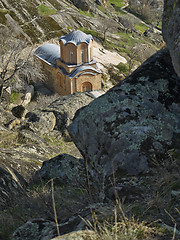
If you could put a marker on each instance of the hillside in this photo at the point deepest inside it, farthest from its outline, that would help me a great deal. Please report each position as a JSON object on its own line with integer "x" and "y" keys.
{"x": 83, "y": 167}
{"x": 115, "y": 28}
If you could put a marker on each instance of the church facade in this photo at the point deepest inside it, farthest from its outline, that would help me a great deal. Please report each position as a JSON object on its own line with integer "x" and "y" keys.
{"x": 70, "y": 66}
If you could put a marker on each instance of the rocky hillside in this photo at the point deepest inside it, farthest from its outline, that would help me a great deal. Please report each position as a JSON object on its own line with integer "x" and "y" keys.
{"x": 85, "y": 168}
{"x": 115, "y": 28}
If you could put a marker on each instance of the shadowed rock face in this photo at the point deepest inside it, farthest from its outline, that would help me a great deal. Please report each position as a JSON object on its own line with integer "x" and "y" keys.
{"x": 134, "y": 123}
{"x": 171, "y": 31}
{"x": 11, "y": 187}
{"x": 64, "y": 168}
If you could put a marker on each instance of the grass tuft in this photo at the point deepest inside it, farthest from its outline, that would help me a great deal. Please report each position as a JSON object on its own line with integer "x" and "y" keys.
{"x": 141, "y": 27}
{"x": 45, "y": 10}
{"x": 86, "y": 13}
{"x": 117, "y": 4}
{"x": 14, "y": 97}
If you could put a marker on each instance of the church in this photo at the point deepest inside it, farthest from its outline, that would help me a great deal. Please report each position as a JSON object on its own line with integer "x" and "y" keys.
{"x": 70, "y": 66}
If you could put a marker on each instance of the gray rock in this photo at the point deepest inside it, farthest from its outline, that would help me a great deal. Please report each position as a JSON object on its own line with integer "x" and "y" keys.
{"x": 82, "y": 4}
{"x": 37, "y": 229}
{"x": 41, "y": 122}
{"x": 134, "y": 123}
{"x": 99, "y": 2}
{"x": 28, "y": 95}
{"x": 6, "y": 116}
{"x": 41, "y": 229}
{"x": 175, "y": 193}
{"x": 63, "y": 169}
{"x": 171, "y": 31}
{"x": 64, "y": 108}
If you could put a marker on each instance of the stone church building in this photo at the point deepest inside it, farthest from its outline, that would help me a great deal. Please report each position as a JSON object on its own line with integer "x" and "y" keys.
{"x": 70, "y": 67}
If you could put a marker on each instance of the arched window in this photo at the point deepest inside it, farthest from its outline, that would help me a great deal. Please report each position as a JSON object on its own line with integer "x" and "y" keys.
{"x": 86, "y": 87}
{"x": 82, "y": 56}
{"x": 71, "y": 57}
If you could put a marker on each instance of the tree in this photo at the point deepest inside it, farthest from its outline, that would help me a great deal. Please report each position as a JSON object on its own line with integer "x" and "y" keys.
{"x": 150, "y": 10}
{"x": 127, "y": 23}
{"x": 108, "y": 25}
{"x": 12, "y": 57}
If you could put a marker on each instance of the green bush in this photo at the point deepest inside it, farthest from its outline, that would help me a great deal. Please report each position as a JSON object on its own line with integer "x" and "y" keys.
{"x": 14, "y": 96}
{"x": 123, "y": 68}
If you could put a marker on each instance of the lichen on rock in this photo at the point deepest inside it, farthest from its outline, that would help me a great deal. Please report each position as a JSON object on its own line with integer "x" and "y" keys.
{"x": 132, "y": 123}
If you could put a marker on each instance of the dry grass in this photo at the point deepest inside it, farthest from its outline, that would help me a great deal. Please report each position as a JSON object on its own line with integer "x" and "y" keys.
{"x": 122, "y": 228}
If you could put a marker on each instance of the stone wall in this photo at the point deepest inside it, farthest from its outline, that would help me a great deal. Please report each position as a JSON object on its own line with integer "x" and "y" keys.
{"x": 82, "y": 47}
{"x": 65, "y": 55}
{"x": 94, "y": 80}
{"x": 77, "y": 59}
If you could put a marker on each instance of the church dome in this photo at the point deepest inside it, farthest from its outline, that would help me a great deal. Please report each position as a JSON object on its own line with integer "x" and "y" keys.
{"x": 76, "y": 37}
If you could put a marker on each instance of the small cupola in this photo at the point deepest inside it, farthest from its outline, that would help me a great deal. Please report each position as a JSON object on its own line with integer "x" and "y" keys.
{"x": 76, "y": 48}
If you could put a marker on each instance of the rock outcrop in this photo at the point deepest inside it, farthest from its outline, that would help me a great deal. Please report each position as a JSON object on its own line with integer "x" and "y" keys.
{"x": 82, "y": 4}
{"x": 64, "y": 169}
{"x": 171, "y": 31}
{"x": 135, "y": 123}
{"x": 36, "y": 229}
{"x": 64, "y": 108}
{"x": 41, "y": 122}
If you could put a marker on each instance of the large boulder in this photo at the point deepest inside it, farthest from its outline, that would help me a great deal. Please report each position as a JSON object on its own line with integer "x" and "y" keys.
{"x": 171, "y": 31}
{"x": 82, "y": 4}
{"x": 133, "y": 125}
{"x": 41, "y": 122}
{"x": 64, "y": 108}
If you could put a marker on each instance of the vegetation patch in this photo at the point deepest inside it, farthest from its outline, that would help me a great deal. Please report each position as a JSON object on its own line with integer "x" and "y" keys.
{"x": 87, "y": 13}
{"x": 45, "y": 10}
{"x": 8, "y": 140}
{"x": 127, "y": 39}
{"x": 117, "y": 4}
{"x": 102, "y": 9}
{"x": 141, "y": 27}
{"x": 3, "y": 11}
{"x": 123, "y": 68}
{"x": 14, "y": 96}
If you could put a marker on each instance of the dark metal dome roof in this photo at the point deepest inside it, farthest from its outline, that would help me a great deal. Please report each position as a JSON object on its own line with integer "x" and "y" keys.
{"x": 76, "y": 37}
{"x": 48, "y": 52}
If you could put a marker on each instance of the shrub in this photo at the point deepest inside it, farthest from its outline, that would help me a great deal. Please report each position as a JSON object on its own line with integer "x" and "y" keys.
{"x": 123, "y": 68}
{"x": 14, "y": 96}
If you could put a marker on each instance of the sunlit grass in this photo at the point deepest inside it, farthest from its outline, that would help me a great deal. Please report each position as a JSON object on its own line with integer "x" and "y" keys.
{"x": 89, "y": 14}
{"x": 141, "y": 27}
{"x": 117, "y": 4}
{"x": 45, "y": 10}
